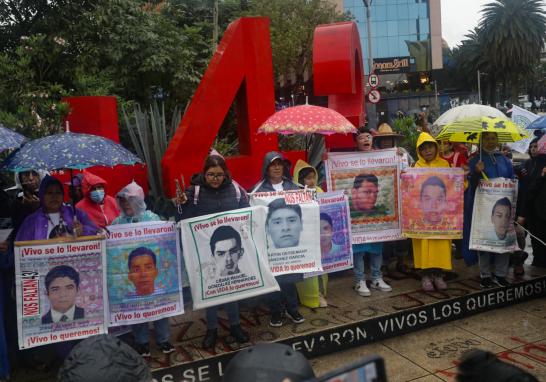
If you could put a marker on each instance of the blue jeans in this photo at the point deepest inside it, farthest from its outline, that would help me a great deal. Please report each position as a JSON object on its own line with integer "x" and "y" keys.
{"x": 162, "y": 331}
{"x": 232, "y": 310}
{"x": 376, "y": 260}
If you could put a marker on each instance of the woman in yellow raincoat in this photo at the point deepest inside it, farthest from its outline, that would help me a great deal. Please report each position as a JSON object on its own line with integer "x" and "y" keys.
{"x": 431, "y": 255}
{"x": 311, "y": 291}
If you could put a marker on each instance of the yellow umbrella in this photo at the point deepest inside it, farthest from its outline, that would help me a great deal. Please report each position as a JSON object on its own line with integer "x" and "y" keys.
{"x": 469, "y": 130}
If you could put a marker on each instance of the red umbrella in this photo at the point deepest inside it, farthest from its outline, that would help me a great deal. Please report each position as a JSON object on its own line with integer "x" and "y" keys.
{"x": 307, "y": 119}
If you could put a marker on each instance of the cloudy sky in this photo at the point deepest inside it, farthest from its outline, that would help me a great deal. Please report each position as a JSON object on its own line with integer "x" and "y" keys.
{"x": 458, "y": 17}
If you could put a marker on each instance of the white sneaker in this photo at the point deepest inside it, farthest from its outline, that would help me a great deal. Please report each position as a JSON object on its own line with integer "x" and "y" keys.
{"x": 322, "y": 302}
{"x": 362, "y": 289}
{"x": 381, "y": 285}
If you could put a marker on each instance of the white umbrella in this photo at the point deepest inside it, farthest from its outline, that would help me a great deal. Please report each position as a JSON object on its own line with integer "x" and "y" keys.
{"x": 464, "y": 112}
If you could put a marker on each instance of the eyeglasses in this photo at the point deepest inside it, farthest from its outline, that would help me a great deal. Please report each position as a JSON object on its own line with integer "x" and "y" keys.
{"x": 215, "y": 176}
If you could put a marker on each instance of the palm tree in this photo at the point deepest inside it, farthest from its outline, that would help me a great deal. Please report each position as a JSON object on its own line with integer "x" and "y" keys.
{"x": 513, "y": 33}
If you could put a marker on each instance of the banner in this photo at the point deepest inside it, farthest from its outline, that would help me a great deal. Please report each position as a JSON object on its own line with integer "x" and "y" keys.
{"x": 493, "y": 216}
{"x": 371, "y": 181}
{"x": 293, "y": 232}
{"x": 226, "y": 256}
{"x": 144, "y": 281}
{"x": 432, "y": 203}
{"x": 335, "y": 233}
{"x": 60, "y": 290}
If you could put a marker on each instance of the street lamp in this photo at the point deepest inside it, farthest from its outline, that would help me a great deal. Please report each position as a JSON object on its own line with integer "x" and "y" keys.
{"x": 372, "y": 117}
{"x": 479, "y": 86}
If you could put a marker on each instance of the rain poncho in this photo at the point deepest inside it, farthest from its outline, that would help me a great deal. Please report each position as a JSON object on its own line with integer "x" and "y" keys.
{"x": 300, "y": 165}
{"x": 35, "y": 226}
{"x": 102, "y": 214}
{"x": 431, "y": 253}
{"x": 134, "y": 194}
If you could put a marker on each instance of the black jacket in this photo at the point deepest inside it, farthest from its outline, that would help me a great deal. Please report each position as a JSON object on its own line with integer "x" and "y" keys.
{"x": 79, "y": 313}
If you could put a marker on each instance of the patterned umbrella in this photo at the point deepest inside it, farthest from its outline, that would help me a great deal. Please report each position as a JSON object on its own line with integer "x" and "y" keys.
{"x": 470, "y": 130}
{"x": 9, "y": 139}
{"x": 539, "y": 123}
{"x": 68, "y": 150}
{"x": 307, "y": 119}
{"x": 464, "y": 112}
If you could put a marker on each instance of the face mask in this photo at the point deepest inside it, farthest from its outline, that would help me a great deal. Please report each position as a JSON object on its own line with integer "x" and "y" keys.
{"x": 97, "y": 196}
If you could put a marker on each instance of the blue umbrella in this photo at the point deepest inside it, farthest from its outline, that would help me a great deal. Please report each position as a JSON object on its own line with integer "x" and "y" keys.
{"x": 9, "y": 139}
{"x": 539, "y": 123}
{"x": 68, "y": 150}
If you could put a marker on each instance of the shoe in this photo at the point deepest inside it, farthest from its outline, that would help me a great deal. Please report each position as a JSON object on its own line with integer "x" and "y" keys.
{"x": 519, "y": 270}
{"x": 486, "y": 283}
{"x": 439, "y": 283}
{"x": 166, "y": 347}
{"x": 426, "y": 284}
{"x": 322, "y": 302}
{"x": 143, "y": 349}
{"x": 239, "y": 334}
{"x": 295, "y": 316}
{"x": 381, "y": 285}
{"x": 209, "y": 342}
{"x": 501, "y": 281}
{"x": 275, "y": 320}
{"x": 362, "y": 289}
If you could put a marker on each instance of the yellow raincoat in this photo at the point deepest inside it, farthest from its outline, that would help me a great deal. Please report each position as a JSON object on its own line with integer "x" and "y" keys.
{"x": 431, "y": 253}
{"x": 308, "y": 289}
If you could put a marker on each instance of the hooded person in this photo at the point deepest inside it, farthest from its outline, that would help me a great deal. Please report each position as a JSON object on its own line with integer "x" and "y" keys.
{"x": 100, "y": 207}
{"x": 431, "y": 255}
{"x": 493, "y": 164}
{"x": 54, "y": 218}
{"x": 312, "y": 290}
{"x": 131, "y": 203}
{"x": 273, "y": 179}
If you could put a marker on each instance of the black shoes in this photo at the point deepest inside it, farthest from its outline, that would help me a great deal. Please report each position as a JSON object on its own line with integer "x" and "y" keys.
{"x": 275, "y": 320}
{"x": 239, "y": 334}
{"x": 143, "y": 349}
{"x": 166, "y": 347}
{"x": 487, "y": 283}
{"x": 209, "y": 342}
{"x": 295, "y": 316}
{"x": 501, "y": 281}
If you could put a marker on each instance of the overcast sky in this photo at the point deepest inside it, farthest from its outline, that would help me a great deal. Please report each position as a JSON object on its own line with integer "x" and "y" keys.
{"x": 458, "y": 17}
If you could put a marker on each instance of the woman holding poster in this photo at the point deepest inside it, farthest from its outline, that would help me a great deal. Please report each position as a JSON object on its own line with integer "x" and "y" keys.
{"x": 490, "y": 164}
{"x": 431, "y": 255}
{"x": 273, "y": 180}
{"x": 213, "y": 191}
{"x": 142, "y": 266}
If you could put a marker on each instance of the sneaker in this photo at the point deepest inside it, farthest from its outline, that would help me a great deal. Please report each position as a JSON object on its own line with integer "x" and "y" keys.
{"x": 426, "y": 284}
{"x": 275, "y": 320}
{"x": 486, "y": 283}
{"x": 143, "y": 350}
{"x": 381, "y": 285}
{"x": 295, "y": 316}
{"x": 501, "y": 281}
{"x": 322, "y": 302}
{"x": 209, "y": 342}
{"x": 362, "y": 289}
{"x": 238, "y": 333}
{"x": 166, "y": 347}
{"x": 439, "y": 283}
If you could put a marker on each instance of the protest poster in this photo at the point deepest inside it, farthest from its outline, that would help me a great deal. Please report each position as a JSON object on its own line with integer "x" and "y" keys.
{"x": 493, "y": 215}
{"x": 60, "y": 290}
{"x": 226, "y": 256}
{"x": 371, "y": 181}
{"x": 293, "y": 232}
{"x": 432, "y": 203}
{"x": 335, "y": 233}
{"x": 144, "y": 281}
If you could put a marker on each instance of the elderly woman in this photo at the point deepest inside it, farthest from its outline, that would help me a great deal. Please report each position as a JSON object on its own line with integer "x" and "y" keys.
{"x": 54, "y": 219}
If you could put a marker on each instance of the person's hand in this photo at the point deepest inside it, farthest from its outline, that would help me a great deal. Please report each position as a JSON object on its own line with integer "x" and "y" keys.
{"x": 480, "y": 166}
{"x": 521, "y": 220}
{"x": 77, "y": 227}
{"x": 4, "y": 246}
{"x": 30, "y": 198}
{"x": 180, "y": 199}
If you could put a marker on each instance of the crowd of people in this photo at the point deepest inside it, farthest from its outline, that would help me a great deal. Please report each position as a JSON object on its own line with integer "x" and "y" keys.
{"x": 39, "y": 212}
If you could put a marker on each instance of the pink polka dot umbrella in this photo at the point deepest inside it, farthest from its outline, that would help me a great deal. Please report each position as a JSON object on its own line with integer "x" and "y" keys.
{"x": 307, "y": 119}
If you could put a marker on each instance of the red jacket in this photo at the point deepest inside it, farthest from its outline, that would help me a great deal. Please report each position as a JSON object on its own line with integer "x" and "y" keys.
{"x": 101, "y": 214}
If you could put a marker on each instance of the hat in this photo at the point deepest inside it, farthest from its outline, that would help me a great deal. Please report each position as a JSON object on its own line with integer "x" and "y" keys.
{"x": 385, "y": 130}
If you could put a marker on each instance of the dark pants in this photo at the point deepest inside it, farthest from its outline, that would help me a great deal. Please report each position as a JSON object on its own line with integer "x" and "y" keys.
{"x": 5, "y": 287}
{"x": 288, "y": 295}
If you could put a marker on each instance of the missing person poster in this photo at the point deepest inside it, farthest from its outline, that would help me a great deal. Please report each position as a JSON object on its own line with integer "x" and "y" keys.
{"x": 60, "y": 290}
{"x": 226, "y": 256}
{"x": 371, "y": 181}
{"x": 432, "y": 203}
{"x": 335, "y": 233}
{"x": 493, "y": 216}
{"x": 292, "y": 227}
{"x": 144, "y": 281}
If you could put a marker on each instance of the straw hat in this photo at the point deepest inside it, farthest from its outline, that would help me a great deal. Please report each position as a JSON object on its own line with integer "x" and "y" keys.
{"x": 385, "y": 130}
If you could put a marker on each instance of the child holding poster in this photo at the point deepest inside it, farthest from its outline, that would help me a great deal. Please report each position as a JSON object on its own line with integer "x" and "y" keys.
{"x": 431, "y": 255}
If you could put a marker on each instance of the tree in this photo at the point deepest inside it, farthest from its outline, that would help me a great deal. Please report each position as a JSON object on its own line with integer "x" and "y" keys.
{"x": 513, "y": 33}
